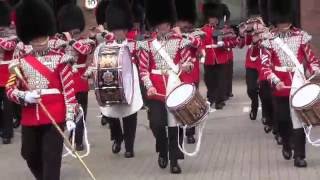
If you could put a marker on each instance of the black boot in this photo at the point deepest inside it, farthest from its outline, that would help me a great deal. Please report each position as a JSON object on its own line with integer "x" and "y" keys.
{"x": 6, "y": 140}
{"x": 116, "y": 147}
{"x": 253, "y": 113}
{"x": 129, "y": 154}
{"x": 162, "y": 161}
{"x": 300, "y": 162}
{"x": 104, "y": 121}
{"x": 174, "y": 167}
{"x": 286, "y": 153}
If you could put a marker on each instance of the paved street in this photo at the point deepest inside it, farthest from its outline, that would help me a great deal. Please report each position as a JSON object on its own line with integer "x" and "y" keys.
{"x": 233, "y": 148}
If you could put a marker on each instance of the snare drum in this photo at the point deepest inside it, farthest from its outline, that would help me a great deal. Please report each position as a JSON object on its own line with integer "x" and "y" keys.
{"x": 306, "y": 103}
{"x": 113, "y": 78}
{"x": 187, "y": 105}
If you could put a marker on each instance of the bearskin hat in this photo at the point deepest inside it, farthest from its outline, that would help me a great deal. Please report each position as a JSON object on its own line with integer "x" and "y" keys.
{"x": 213, "y": 10}
{"x": 4, "y": 13}
{"x": 101, "y": 12}
{"x": 186, "y": 10}
{"x": 119, "y": 15}
{"x": 281, "y": 11}
{"x": 138, "y": 11}
{"x": 70, "y": 17}
{"x": 160, "y": 11}
{"x": 253, "y": 7}
{"x": 34, "y": 19}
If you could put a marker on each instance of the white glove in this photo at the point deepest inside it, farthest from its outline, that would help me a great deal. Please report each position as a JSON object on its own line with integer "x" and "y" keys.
{"x": 220, "y": 44}
{"x": 32, "y": 97}
{"x": 70, "y": 125}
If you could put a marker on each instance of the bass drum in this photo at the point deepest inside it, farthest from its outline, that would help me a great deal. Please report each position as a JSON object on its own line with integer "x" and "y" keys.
{"x": 113, "y": 78}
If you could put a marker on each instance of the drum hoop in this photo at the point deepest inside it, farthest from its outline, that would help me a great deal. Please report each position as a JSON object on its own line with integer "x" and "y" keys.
{"x": 308, "y": 105}
{"x": 184, "y": 102}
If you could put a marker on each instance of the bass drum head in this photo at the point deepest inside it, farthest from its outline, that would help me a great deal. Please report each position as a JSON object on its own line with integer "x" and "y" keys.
{"x": 305, "y": 96}
{"x": 127, "y": 73}
{"x": 180, "y": 95}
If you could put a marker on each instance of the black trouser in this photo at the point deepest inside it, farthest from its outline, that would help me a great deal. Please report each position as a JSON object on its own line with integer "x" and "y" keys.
{"x": 265, "y": 94}
{"x": 214, "y": 78}
{"x": 165, "y": 142}
{"x": 6, "y": 114}
{"x": 42, "y": 149}
{"x": 288, "y": 134}
{"x": 17, "y": 111}
{"x": 82, "y": 98}
{"x": 229, "y": 77}
{"x": 129, "y": 130}
{"x": 252, "y": 87}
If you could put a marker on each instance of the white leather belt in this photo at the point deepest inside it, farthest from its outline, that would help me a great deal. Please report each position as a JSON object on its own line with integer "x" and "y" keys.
{"x": 5, "y": 62}
{"x": 80, "y": 66}
{"x": 211, "y": 46}
{"x": 284, "y": 69}
{"x": 158, "y": 72}
{"x": 49, "y": 91}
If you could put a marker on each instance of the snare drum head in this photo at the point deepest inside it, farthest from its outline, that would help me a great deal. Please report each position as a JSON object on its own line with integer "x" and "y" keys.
{"x": 180, "y": 95}
{"x": 305, "y": 95}
{"x": 127, "y": 73}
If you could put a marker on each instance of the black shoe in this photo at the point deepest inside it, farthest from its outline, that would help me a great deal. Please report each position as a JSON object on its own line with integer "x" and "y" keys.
{"x": 278, "y": 139}
{"x": 286, "y": 153}
{"x": 175, "y": 168}
{"x": 219, "y": 106}
{"x": 191, "y": 140}
{"x": 16, "y": 123}
{"x": 116, "y": 147}
{"x": 267, "y": 129}
{"x": 104, "y": 121}
{"x": 6, "y": 140}
{"x": 253, "y": 114}
{"x": 300, "y": 162}
{"x": 162, "y": 161}
{"x": 264, "y": 120}
{"x": 79, "y": 147}
{"x": 128, "y": 154}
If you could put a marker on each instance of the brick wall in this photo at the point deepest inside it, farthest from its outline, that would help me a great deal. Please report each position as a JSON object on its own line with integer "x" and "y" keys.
{"x": 310, "y": 20}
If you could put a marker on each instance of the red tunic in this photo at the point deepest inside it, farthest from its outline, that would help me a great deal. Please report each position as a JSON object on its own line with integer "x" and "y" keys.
{"x": 46, "y": 71}
{"x": 277, "y": 65}
{"x": 7, "y": 46}
{"x": 153, "y": 67}
{"x": 220, "y": 55}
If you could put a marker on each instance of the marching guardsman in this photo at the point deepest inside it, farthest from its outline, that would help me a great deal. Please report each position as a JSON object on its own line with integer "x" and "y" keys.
{"x": 44, "y": 75}
{"x": 280, "y": 56}
{"x": 252, "y": 57}
{"x": 119, "y": 18}
{"x": 71, "y": 24}
{"x": 187, "y": 16}
{"x": 161, "y": 58}
{"x": 217, "y": 54}
{"x": 8, "y": 42}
